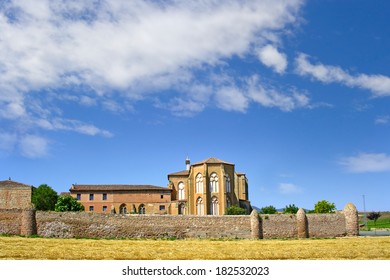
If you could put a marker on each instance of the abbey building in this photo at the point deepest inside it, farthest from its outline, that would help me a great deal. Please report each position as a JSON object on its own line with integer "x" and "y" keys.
{"x": 207, "y": 187}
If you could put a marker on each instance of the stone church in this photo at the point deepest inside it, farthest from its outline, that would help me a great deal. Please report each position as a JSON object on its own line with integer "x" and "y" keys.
{"x": 208, "y": 187}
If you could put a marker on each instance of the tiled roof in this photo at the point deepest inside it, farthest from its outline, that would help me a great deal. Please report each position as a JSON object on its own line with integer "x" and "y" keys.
{"x": 212, "y": 160}
{"x": 12, "y": 184}
{"x": 180, "y": 173}
{"x": 78, "y": 187}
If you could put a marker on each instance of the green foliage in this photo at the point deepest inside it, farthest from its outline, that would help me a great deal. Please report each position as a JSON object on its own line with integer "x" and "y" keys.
{"x": 268, "y": 210}
{"x": 44, "y": 198}
{"x": 374, "y": 216}
{"x": 324, "y": 206}
{"x": 235, "y": 210}
{"x": 290, "y": 209}
{"x": 68, "y": 203}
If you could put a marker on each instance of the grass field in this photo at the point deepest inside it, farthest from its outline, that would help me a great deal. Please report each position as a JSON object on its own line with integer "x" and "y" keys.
{"x": 382, "y": 223}
{"x": 355, "y": 248}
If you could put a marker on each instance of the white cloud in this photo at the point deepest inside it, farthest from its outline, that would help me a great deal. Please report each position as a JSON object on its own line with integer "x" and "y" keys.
{"x": 33, "y": 146}
{"x": 271, "y": 57}
{"x": 288, "y": 188}
{"x": 379, "y": 85}
{"x": 110, "y": 54}
{"x": 270, "y": 97}
{"x": 382, "y": 119}
{"x": 366, "y": 162}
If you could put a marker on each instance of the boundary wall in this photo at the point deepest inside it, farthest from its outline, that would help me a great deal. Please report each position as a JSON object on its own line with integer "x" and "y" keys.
{"x": 95, "y": 225}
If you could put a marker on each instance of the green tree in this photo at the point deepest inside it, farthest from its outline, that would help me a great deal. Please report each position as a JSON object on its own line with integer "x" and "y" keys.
{"x": 268, "y": 210}
{"x": 68, "y": 203}
{"x": 324, "y": 206}
{"x": 290, "y": 209}
{"x": 235, "y": 210}
{"x": 374, "y": 216}
{"x": 44, "y": 198}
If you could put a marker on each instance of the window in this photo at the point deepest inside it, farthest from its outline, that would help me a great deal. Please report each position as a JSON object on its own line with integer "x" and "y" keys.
{"x": 227, "y": 183}
{"x": 122, "y": 209}
{"x": 90, "y": 208}
{"x": 91, "y": 196}
{"x": 104, "y": 196}
{"x": 104, "y": 208}
{"x": 162, "y": 196}
{"x": 141, "y": 209}
{"x": 214, "y": 206}
{"x": 162, "y": 207}
{"x": 182, "y": 209}
{"x": 199, "y": 207}
{"x": 213, "y": 182}
{"x": 199, "y": 183}
{"x": 78, "y": 196}
{"x": 228, "y": 202}
{"x": 182, "y": 194}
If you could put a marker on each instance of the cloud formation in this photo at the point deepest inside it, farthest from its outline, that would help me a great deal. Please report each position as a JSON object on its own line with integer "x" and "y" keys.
{"x": 288, "y": 188}
{"x": 379, "y": 85}
{"x": 271, "y": 57}
{"x": 366, "y": 162}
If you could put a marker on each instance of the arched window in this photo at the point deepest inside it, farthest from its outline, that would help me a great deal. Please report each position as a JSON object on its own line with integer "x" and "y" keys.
{"x": 182, "y": 194}
{"x": 213, "y": 183}
{"x": 182, "y": 209}
{"x": 214, "y": 206}
{"x": 199, "y": 183}
{"x": 122, "y": 209}
{"x": 141, "y": 209}
{"x": 228, "y": 202}
{"x": 227, "y": 183}
{"x": 199, "y": 207}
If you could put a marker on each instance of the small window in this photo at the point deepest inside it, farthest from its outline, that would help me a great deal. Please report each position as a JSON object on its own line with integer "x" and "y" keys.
{"x": 104, "y": 208}
{"x": 162, "y": 207}
{"x": 91, "y": 196}
{"x": 104, "y": 196}
{"x": 162, "y": 196}
{"x": 78, "y": 196}
{"x": 90, "y": 208}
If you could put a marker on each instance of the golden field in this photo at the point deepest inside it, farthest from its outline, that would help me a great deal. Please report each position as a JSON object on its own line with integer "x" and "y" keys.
{"x": 356, "y": 248}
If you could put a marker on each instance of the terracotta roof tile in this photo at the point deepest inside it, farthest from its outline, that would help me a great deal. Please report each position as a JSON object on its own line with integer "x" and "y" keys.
{"x": 212, "y": 160}
{"x": 180, "y": 173}
{"x": 116, "y": 187}
{"x": 12, "y": 184}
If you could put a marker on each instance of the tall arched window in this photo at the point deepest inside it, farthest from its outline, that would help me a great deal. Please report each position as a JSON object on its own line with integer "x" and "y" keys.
{"x": 199, "y": 207}
{"x": 213, "y": 182}
{"x": 228, "y": 202}
{"x": 199, "y": 183}
{"x": 214, "y": 206}
{"x": 227, "y": 183}
{"x": 141, "y": 209}
{"x": 182, "y": 194}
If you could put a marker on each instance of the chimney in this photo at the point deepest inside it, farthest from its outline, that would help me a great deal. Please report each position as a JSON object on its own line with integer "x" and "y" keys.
{"x": 188, "y": 163}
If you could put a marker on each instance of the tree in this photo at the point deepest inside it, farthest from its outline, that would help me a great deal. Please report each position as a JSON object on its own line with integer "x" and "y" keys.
{"x": 68, "y": 203}
{"x": 374, "y": 216}
{"x": 44, "y": 198}
{"x": 290, "y": 209}
{"x": 268, "y": 210}
{"x": 235, "y": 210}
{"x": 324, "y": 206}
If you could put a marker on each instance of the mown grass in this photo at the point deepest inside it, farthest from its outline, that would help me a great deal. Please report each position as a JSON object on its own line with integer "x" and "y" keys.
{"x": 356, "y": 248}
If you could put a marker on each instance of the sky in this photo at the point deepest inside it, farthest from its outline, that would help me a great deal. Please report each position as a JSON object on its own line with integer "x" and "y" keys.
{"x": 295, "y": 93}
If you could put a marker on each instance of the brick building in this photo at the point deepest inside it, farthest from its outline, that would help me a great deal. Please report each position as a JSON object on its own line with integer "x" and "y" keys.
{"x": 123, "y": 199}
{"x": 14, "y": 195}
{"x": 208, "y": 187}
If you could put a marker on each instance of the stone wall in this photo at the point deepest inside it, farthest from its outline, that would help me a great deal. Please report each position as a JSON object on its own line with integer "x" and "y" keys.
{"x": 67, "y": 225}
{"x": 98, "y": 225}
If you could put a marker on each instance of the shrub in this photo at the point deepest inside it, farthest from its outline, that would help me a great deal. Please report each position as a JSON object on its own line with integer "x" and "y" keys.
{"x": 235, "y": 210}
{"x": 268, "y": 210}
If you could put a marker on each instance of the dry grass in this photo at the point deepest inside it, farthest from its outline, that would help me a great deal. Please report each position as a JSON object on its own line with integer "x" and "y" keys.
{"x": 357, "y": 248}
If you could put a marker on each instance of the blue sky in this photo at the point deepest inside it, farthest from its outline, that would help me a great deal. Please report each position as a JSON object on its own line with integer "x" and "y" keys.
{"x": 295, "y": 93}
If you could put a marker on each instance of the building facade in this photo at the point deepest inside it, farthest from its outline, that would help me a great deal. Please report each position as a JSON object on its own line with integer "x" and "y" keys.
{"x": 15, "y": 195}
{"x": 123, "y": 199}
{"x": 208, "y": 187}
